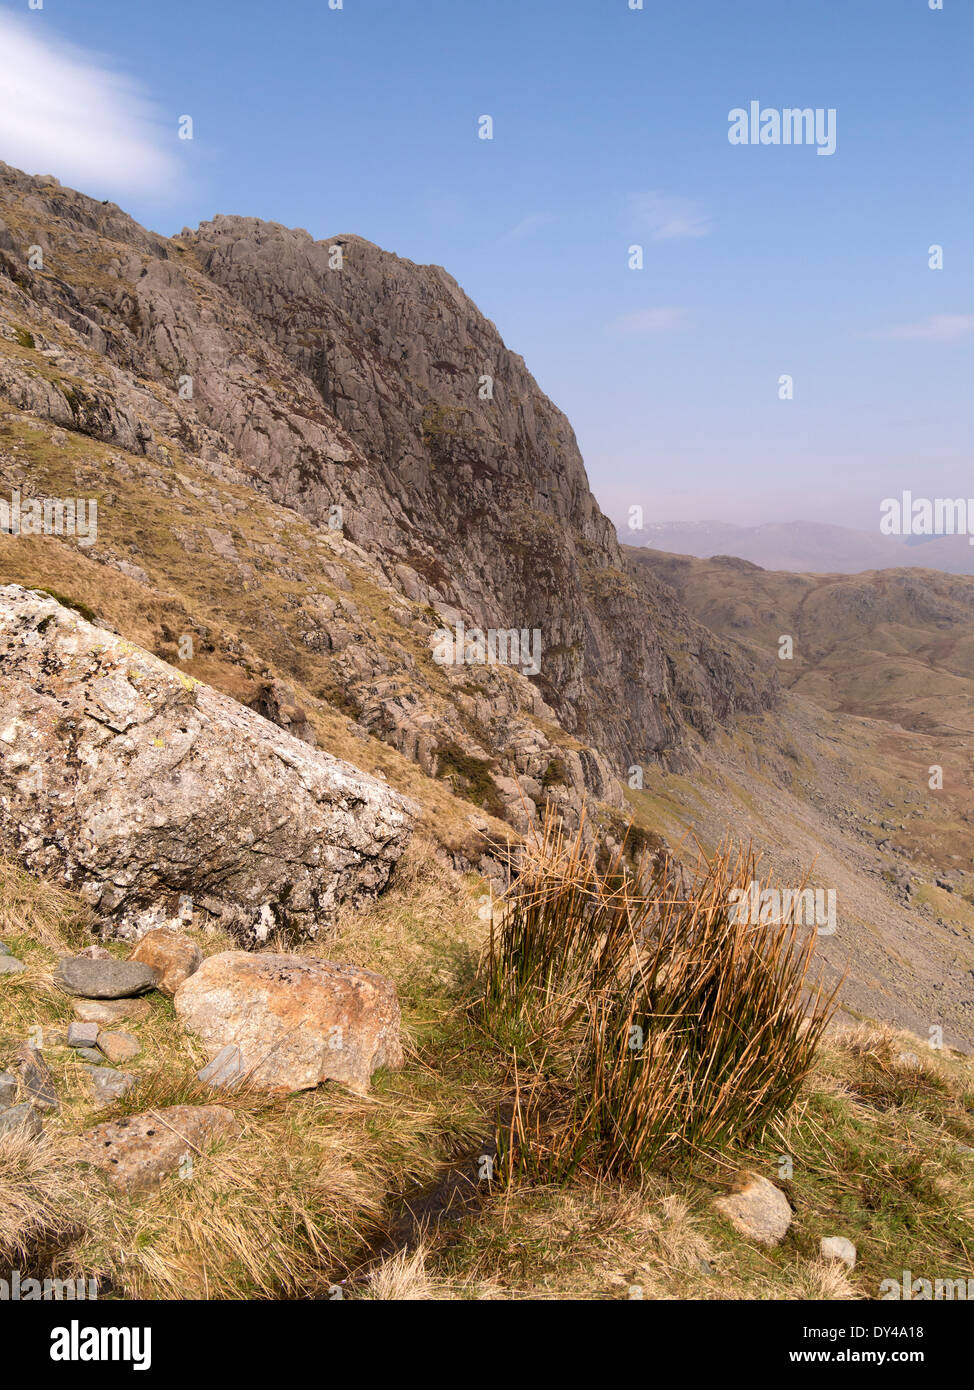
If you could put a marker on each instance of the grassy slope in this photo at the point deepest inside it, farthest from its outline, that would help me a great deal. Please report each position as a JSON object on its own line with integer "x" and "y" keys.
{"x": 298, "y": 1202}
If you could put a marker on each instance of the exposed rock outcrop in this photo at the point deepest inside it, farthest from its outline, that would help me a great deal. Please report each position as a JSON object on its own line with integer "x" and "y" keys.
{"x": 140, "y": 787}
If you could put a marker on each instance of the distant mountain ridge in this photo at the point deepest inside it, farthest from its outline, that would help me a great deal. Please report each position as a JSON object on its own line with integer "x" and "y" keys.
{"x": 809, "y": 547}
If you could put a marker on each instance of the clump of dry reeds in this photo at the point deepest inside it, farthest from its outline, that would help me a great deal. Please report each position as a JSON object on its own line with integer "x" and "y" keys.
{"x": 643, "y": 1020}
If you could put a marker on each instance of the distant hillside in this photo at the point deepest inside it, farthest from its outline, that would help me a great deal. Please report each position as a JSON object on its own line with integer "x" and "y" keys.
{"x": 807, "y": 547}
{"x": 887, "y": 644}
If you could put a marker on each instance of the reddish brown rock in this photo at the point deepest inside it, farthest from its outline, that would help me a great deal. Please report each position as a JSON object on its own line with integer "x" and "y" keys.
{"x": 172, "y": 954}
{"x": 119, "y": 1047}
{"x": 138, "y": 1152}
{"x": 297, "y": 1020}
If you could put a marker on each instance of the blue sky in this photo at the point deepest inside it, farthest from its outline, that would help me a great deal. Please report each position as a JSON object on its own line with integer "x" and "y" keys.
{"x": 610, "y": 128}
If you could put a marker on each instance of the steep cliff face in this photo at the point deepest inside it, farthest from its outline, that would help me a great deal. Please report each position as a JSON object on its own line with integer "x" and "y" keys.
{"x": 488, "y": 472}
{"x": 357, "y": 396}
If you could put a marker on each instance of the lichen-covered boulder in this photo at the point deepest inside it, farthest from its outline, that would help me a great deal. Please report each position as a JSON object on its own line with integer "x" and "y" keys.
{"x": 142, "y": 787}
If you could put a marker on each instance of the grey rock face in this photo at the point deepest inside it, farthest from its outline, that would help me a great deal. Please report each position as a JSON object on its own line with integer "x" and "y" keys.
{"x": 82, "y": 1034}
{"x": 8, "y": 1089}
{"x": 153, "y": 786}
{"x": 10, "y": 965}
{"x": 362, "y": 388}
{"x": 103, "y": 979}
{"x": 399, "y": 354}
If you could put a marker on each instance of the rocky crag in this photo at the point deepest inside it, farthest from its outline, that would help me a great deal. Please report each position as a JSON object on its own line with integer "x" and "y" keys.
{"x": 358, "y": 398}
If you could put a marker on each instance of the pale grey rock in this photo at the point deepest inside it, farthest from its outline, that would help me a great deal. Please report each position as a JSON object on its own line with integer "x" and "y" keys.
{"x": 10, "y": 965}
{"x": 8, "y": 1089}
{"x": 173, "y": 789}
{"x": 36, "y": 1081}
{"x": 109, "y": 1085}
{"x": 82, "y": 1034}
{"x": 21, "y": 1119}
{"x": 226, "y": 1069}
{"x": 111, "y": 1011}
{"x": 757, "y": 1209}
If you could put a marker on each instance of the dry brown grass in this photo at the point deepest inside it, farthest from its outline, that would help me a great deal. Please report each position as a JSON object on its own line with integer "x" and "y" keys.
{"x": 42, "y": 912}
{"x": 647, "y": 1023}
{"x": 40, "y": 1197}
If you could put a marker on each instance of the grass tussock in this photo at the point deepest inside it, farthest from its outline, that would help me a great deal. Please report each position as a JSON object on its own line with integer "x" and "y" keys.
{"x": 40, "y": 912}
{"x": 39, "y": 1199}
{"x": 645, "y": 1022}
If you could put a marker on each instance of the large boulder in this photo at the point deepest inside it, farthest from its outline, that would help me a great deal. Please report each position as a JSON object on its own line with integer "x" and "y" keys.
{"x": 296, "y": 1020}
{"x": 140, "y": 786}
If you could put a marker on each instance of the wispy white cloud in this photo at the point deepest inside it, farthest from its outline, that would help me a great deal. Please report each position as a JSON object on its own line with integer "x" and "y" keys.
{"x": 666, "y": 216}
{"x": 935, "y": 328}
{"x": 527, "y": 227}
{"x": 646, "y": 322}
{"x": 64, "y": 111}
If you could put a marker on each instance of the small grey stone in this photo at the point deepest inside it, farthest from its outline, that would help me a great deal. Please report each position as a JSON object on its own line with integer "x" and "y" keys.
{"x": 21, "y": 1117}
{"x": 8, "y": 1089}
{"x": 104, "y": 979}
{"x": 108, "y": 1084}
{"x": 82, "y": 1034}
{"x": 91, "y": 1054}
{"x": 225, "y": 1069}
{"x": 838, "y": 1248}
{"x": 5, "y": 949}
{"x": 10, "y": 965}
{"x": 963, "y": 1149}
